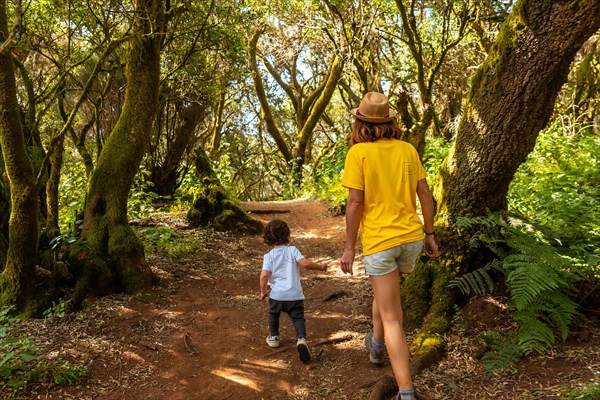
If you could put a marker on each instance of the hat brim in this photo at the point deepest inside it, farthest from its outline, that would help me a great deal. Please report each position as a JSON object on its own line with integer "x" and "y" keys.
{"x": 375, "y": 120}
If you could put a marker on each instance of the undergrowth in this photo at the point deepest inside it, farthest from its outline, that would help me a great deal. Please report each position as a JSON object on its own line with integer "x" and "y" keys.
{"x": 20, "y": 363}
{"x": 164, "y": 240}
{"x": 539, "y": 281}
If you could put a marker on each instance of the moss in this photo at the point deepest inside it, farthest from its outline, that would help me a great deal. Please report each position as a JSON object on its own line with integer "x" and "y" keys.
{"x": 60, "y": 271}
{"x": 213, "y": 205}
{"x": 438, "y": 318}
{"x": 416, "y": 297}
{"x": 487, "y": 76}
{"x": 426, "y": 349}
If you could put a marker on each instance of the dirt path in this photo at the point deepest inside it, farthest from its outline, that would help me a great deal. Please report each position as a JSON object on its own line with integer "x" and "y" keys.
{"x": 201, "y": 333}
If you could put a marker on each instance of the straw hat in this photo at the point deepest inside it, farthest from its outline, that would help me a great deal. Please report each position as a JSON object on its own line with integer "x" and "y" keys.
{"x": 374, "y": 107}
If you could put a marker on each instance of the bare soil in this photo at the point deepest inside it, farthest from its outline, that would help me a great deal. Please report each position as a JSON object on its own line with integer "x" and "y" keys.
{"x": 200, "y": 334}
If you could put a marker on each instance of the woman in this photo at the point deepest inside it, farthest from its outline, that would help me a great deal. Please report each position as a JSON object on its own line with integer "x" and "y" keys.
{"x": 384, "y": 175}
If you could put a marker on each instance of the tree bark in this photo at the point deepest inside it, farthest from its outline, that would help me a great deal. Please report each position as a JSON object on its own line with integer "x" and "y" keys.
{"x": 18, "y": 278}
{"x": 108, "y": 256}
{"x": 165, "y": 175}
{"x": 511, "y": 100}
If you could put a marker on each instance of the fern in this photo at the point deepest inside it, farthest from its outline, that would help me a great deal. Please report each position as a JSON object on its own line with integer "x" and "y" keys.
{"x": 479, "y": 281}
{"x": 534, "y": 335}
{"x": 538, "y": 278}
{"x": 503, "y": 352}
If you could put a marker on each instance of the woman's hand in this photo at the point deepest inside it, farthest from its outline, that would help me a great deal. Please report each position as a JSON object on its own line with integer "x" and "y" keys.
{"x": 347, "y": 260}
{"x": 431, "y": 247}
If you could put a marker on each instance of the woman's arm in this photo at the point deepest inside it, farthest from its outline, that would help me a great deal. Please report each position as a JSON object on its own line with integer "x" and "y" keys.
{"x": 427, "y": 207}
{"x": 354, "y": 211}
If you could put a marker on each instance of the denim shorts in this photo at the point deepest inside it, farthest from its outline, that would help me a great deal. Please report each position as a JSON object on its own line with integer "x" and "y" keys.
{"x": 402, "y": 257}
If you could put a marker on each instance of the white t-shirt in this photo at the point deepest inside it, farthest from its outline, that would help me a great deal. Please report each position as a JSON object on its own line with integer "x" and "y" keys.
{"x": 282, "y": 261}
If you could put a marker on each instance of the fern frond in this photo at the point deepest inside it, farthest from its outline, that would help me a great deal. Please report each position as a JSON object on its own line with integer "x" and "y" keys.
{"x": 530, "y": 280}
{"x": 504, "y": 351}
{"x": 479, "y": 281}
{"x": 559, "y": 309}
{"x": 534, "y": 335}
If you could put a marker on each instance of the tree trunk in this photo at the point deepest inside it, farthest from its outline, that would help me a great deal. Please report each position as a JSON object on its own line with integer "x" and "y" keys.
{"x": 108, "y": 256}
{"x": 165, "y": 175}
{"x": 511, "y": 100}
{"x": 56, "y": 161}
{"x": 214, "y": 207}
{"x": 4, "y": 212}
{"x": 18, "y": 278}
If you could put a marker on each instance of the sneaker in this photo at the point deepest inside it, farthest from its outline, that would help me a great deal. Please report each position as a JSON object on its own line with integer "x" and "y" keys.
{"x": 303, "y": 351}
{"x": 375, "y": 353}
{"x": 399, "y": 397}
{"x": 273, "y": 341}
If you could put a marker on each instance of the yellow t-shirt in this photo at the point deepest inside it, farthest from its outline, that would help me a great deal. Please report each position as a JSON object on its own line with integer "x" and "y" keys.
{"x": 387, "y": 171}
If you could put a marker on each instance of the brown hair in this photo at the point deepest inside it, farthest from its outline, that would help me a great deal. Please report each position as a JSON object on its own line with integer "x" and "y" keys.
{"x": 370, "y": 132}
{"x": 276, "y": 232}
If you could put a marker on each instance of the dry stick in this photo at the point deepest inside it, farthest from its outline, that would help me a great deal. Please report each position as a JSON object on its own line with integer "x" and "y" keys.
{"x": 319, "y": 343}
{"x": 186, "y": 344}
{"x": 269, "y": 211}
{"x": 333, "y": 295}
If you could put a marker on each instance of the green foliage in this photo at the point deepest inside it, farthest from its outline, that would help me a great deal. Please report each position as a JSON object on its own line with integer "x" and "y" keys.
{"x": 590, "y": 391}
{"x": 58, "y": 310}
{"x": 165, "y": 240}
{"x": 73, "y": 186}
{"x": 539, "y": 280}
{"x": 68, "y": 373}
{"x": 503, "y": 352}
{"x": 325, "y": 180}
{"x": 139, "y": 203}
{"x": 479, "y": 282}
{"x": 16, "y": 354}
{"x": 19, "y": 365}
{"x": 436, "y": 149}
{"x": 559, "y": 188}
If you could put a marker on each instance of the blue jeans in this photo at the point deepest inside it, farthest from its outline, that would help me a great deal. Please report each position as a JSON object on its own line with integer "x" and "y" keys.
{"x": 294, "y": 309}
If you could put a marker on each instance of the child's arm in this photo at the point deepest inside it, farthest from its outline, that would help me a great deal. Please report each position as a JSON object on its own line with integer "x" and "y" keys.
{"x": 308, "y": 264}
{"x": 265, "y": 275}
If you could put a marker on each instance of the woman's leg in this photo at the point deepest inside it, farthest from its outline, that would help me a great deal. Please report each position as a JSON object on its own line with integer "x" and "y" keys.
{"x": 377, "y": 323}
{"x": 386, "y": 290}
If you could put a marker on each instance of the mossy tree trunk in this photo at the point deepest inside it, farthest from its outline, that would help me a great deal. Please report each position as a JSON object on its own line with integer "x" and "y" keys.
{"x": 52, "y": 185}
{"x": 17, "y": 280}
{"x": 511, "y": 100}
{"x": 108, "y": 256}
{"x": 213, "y": 206}
{"x": 166, "y": 169}
{"x": 4, "y": 212}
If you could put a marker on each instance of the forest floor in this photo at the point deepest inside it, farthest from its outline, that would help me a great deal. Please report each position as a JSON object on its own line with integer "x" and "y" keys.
{"x": 200, "y": 333}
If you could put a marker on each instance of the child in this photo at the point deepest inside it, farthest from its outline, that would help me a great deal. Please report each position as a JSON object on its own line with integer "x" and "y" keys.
{"x": 280, "y": 271}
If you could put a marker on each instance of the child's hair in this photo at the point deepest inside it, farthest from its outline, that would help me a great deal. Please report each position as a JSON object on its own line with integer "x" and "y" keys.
{"x": 369, "y": 132}
{"x": 276, "y": 232}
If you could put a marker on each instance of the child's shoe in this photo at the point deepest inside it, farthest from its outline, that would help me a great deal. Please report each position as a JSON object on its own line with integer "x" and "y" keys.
{"x": 303, "y": 351}
{"x": 375, "y": 353}
{"x": 273, "y": 341}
